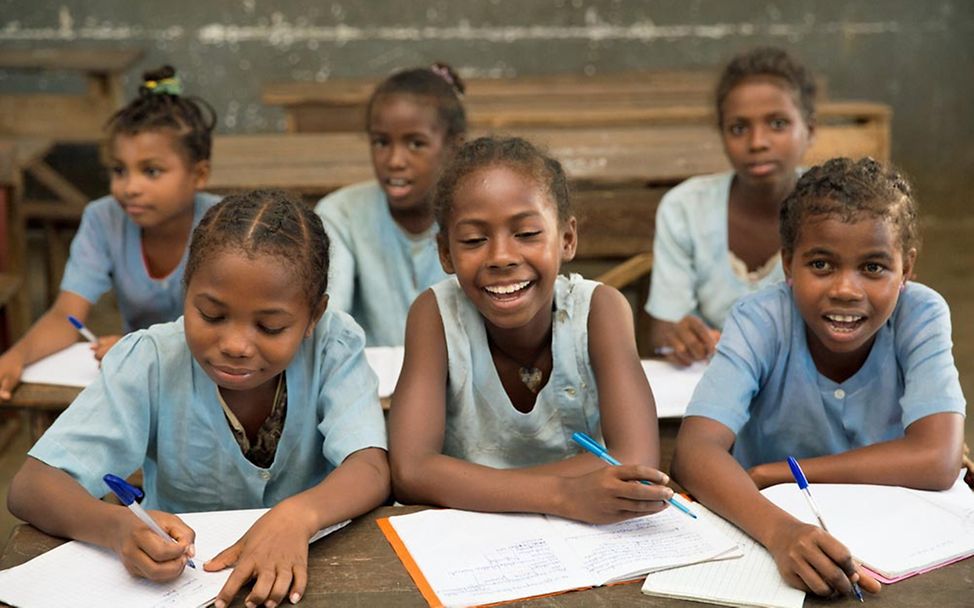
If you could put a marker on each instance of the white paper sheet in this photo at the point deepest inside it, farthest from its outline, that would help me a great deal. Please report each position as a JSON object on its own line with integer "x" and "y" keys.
{"x": 386, "y": 362}
{"x": 672, "y": 386}
{"x": 73, "y": 366}
{"x": 80, "y": 575}
{"x": 751, "y": 580}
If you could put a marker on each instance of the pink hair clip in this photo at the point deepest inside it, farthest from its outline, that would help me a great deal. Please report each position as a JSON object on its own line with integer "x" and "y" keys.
{"x": 444, "y": 73}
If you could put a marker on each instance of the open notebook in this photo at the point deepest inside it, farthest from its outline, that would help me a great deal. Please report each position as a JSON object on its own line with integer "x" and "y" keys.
{"x": 461, "y": 558}
{"x": 81, "y": 575}
{"x": 895, "y": 532}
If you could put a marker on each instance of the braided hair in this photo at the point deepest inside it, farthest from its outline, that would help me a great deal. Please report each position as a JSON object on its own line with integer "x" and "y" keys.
{"x": 438, "y": 83}
{"x": 161, "y": 105}
{"x": 265, "y": 222}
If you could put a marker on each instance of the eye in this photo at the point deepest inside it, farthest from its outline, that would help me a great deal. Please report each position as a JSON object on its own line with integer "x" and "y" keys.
{"x": 209, "y": 318}
{"x": 117, "y": 170}
{"x": 417, "y": 144}
{"x": 820, "y": 266}
{"x": 527, "y": 234}
{"x": 379, "y": 142}
{"x": 152, "y": 172}
{"x": 780, "y": 124}
{"x": 873, "y": 268}
{"x": 270, "y": 331}
{"x": 737, "y": 129}
{"x": 472, "y": 241}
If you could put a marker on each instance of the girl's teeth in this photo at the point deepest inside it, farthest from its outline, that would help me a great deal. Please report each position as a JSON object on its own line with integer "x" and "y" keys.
{"x": 506, "y": 289}
{"x": 844, "y": 318}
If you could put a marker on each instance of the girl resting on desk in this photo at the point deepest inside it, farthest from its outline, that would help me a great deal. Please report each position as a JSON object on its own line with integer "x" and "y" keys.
{"x": 717, "y": 235}
{"x": 846, "y": 367}
{"x": 383, "y": 232}
{"x": 134, "y": 240}
{"x": 504, "y": 362}
{"x": 257, "y": 397}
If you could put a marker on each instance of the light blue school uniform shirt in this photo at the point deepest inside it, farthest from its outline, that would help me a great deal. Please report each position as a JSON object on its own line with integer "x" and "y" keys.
{"x": 692, "y": 271}
{"x": 107, "y": 252}
{"x": 763, "y": 384}
{"x": 376, "y": 269}
{"x": 482, "y": 425}
{"x": 154, "y": 407}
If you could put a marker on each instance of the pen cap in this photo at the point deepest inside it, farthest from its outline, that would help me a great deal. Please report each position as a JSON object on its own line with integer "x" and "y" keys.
{"x": 797, "y": 473}
{"x": 126, "y": 492}
{"x": 74, "y": 321}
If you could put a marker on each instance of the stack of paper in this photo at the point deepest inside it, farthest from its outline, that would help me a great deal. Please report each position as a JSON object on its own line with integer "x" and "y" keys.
{"x": 86, "y": 575}
{"x": 460, "y": 558}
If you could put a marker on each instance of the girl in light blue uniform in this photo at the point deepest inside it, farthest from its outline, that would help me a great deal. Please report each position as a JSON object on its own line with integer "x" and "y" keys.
{"x": 383, "y": 232}
{"x": 509, "y": 359}
{"x": 716, "y": 235}
{"x": 257, "y": 397}
{"x": 847, "y": 367}
{"x": 135, "y": 240}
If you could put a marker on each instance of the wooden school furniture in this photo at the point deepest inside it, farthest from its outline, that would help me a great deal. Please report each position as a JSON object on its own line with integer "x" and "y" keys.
{"x": 357, "y": 567}
{"x": 559, "y": 100}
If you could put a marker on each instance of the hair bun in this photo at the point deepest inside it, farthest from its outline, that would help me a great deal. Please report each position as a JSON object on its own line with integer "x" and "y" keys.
{"x": 450, "y": 75}
{"x": 162, "y": 80}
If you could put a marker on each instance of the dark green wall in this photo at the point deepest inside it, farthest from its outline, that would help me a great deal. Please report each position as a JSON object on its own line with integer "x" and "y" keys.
{"x": 916, "y": 56}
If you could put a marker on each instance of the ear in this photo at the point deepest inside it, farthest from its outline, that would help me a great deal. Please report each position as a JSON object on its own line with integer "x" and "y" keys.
{"x": 443, "y": 249}
{"x": 909, "y": 263}
{"x": 810, "y": 125}
{"x": 569, "y": 240}
{"x": 316, "y": 316}
{"x": 786, "y": 258}
{"x": 201, "y": 174}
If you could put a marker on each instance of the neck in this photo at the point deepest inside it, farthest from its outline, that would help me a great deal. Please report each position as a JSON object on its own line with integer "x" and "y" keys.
{"x": 760, "y": 200}
{"x": 415, "y": 220}
{"x": 177, "y": 227}
{"x": 523, "y": 345}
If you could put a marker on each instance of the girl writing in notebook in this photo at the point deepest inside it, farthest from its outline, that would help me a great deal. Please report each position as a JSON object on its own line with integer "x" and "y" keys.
{"x": 383, "y": 232}
{"x": 717, "y": 235}
{"x": 847, "y": 367}
{"x": 506, "y": 360}
{"x": 257, "y": 397}
{"x": 135, "y": 239}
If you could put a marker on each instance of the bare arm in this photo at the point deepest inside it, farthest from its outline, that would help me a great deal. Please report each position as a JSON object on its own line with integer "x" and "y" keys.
{"x": 51, "y": 500}
{"x": 422, "y": 473}
{"x": 51, "y": 333}
{"x": 807, "y": 557}
{"x": 927, "y": 457}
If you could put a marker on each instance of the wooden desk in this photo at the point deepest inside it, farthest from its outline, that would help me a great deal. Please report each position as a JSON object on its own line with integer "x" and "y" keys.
{"x": 40, "y": 404}
{"x": 356, "y": 567}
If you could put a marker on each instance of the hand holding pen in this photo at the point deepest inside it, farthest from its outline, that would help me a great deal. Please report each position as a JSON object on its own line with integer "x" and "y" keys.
{"x": 812, "y": 559}
{"x": 154, "y": 554}
{"x": 598, "y": 450}
{"x": 101, "y": 345}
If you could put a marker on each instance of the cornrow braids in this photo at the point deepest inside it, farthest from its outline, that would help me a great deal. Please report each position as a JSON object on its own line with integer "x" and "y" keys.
{"x": 265, "y": 222}
{"x": 514, "y": 152}
{"x": 438, "y": 83}
{"x": 774, "y": 62}
{"x": 849, "y": 190}
{"x": 162, "y": 107}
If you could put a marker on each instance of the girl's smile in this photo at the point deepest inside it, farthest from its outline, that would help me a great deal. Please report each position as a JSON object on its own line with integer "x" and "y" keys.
{"x": 846, "y": 279}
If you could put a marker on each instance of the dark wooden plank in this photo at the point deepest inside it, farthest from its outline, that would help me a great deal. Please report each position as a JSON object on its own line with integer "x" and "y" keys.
{"x": 93, "y": 60}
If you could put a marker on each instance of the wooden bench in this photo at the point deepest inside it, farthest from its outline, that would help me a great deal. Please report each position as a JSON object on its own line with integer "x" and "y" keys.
{"x": 561, "y": 100}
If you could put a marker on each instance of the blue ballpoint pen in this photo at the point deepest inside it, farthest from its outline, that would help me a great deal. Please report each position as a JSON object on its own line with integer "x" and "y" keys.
{"x": 84, "y": 331}
{"x": 799, "y": 475}
{"x": 128, "y": 494}
{"x": 595, "y": 448}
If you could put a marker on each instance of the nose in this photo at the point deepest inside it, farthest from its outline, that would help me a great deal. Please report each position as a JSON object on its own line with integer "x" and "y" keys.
{"x": 758, "y": 139}
{"x": 235, "y": 343}
{"x": 130, "y": 185}
{"x": 502, "y": 253}
{"x": 397, "y": 156}
{"x": 846, "y": 287}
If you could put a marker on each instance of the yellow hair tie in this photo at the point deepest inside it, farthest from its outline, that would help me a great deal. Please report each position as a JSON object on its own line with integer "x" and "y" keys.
{"x": 169, "y": 86}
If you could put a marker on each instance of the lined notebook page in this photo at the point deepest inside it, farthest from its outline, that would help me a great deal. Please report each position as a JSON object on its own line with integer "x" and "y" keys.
{"x": 80, "y": 575}
{"x": 751, "y": 580}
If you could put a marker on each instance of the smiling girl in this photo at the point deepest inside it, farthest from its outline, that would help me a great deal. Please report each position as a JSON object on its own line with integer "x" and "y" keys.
{"x": 383, "y": 232}
{"x": 257, "y": 397}
{"x": 847, "y": 367}
{"x": 134, "y": 240}
{"x": 504, "y": 362}
{"x": 717, "y": 235}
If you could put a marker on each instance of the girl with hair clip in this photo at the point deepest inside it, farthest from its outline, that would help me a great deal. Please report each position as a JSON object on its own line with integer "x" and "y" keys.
{"x": 717, "y": 235}
{"x": 847, "y": 366}
{"x": 383, "y": 232}
{"x": 508, "y": 359}
{"x": 135, "y": 239}
{"x": 256, "y": 397}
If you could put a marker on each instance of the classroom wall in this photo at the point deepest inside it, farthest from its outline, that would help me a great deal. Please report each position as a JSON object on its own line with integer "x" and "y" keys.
{"x": 916, "y": 56}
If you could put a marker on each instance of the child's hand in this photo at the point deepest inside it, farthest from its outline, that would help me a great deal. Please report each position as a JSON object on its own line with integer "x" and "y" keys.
{"x": 613, "y": 494}
{"x": 144, "y": 553}
{"x": 11, "y": 368}
{"x": 275, "y": 552}
{"x": 104, "y": 343}
{"x": 811, "y": 559}
{"x": 691, "y": 340}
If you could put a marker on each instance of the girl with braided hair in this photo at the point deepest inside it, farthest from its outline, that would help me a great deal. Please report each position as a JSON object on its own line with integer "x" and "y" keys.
{"x": 135, "y": 239}
{"x": 257, "y": 397}
{"x": 383, "y": 233}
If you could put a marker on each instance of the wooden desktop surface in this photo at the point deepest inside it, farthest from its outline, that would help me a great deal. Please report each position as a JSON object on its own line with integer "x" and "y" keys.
{"x": 357, "y": 567}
